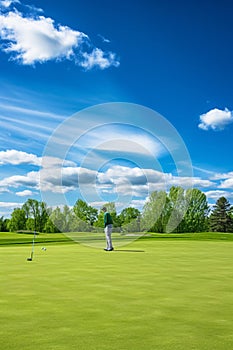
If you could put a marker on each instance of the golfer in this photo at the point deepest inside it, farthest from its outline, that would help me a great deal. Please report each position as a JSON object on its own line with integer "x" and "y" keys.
{"x": 108, "y": 229}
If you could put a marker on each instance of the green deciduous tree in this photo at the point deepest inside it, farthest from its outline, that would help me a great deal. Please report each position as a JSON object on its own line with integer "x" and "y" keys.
{"x": 128, "y": 214}
{"x": 189, "y": 210}
{"x": 220, "y": 218}
{"x": 65, "y": 220}
{"x": 129, "y": 219}
{"x": 85, "y": 212}
{"x": 4, "y": 224}
{"x": 156, "y": 212}
{"x": 62, "y": 218}
{"x": 37, "y": 211}
{"x": 50, "y": 227}
{"x": 100, "y": 220}
{"x": 18, "y": 220}
{"x": 178, "y": 208}
{"x": 177, "y": 211}
{"x": 195, "y": 219}
{"x": 30, "y": 224}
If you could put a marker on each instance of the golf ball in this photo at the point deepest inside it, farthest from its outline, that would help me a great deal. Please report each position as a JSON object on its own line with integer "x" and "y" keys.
{"x": 43, "y": 248}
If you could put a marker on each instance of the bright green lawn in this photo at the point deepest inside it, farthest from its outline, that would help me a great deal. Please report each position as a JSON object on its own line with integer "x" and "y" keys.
{"x": 151, "y": 294}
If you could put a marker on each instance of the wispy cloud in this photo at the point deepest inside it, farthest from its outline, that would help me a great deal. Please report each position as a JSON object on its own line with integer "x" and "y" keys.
{"x": 121, "y": 138}
{"x": 35, "y": 9}
{"x": 22, "y": 129}
{"x": 216, "y": 119}
{"x": 105, "y": 40}
{"x": 31, "y": 112}
{"x": 30, "y": 39}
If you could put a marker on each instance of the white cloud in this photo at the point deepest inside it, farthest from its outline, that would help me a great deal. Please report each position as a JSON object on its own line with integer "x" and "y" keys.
{"x": 24, "y": 193}
{"x": 227, "y": 180}
{"x": 139, "y": 182}
{"x": 10, "y": 205}
{"x": 31, "y": 38}
{"x": 31, "y": 179}
{"x": 6, "y": 208}
{"x": 135, "y": 203}
{"x": 58, "y": 176}
{"x": 54, "y": 163}
{"x": 59, "y": 179}
{"x": 227, "y": 183}
{"x": 100, "y": 59}
{"x": 216, "y": 119}
{"x": 38, "y": 40}
{"x": 15, "y": 157}
{"x": 4, "y": 189}
{"x": 187, "y": 182}
{"x": 215, "y": 194}
{"x": 221, "y": 176}
{"x": 8, "y": 3}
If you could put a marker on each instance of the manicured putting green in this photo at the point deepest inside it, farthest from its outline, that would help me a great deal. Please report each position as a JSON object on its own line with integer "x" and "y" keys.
{"x": 151, "y": 294}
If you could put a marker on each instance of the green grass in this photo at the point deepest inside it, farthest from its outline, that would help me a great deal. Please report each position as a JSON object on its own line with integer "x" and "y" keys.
{"x": 9, "y": 238}
{"x": 199, "y": 236}
{"x": 97, "y": 239}
{"x": 173, "y": 294}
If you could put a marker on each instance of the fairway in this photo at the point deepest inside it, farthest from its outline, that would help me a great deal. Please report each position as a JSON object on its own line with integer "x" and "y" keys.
{"x": 151, "y": 294}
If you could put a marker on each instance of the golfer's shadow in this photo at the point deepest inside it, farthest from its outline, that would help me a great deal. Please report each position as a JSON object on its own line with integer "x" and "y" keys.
{"x": 129, "y": 250}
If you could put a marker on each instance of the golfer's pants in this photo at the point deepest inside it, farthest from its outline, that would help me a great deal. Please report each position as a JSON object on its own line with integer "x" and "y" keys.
{"x": 108, "y": 232}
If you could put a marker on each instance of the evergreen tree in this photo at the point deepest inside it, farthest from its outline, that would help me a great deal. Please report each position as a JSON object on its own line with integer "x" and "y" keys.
{"x": 221, "y": 219}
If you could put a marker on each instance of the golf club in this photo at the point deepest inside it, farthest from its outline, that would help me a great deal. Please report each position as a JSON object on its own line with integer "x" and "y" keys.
{"x": 33, "y": 246}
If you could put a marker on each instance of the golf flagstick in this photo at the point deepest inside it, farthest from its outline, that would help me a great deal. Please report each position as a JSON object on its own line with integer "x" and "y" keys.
{"x": 33, "y": 247}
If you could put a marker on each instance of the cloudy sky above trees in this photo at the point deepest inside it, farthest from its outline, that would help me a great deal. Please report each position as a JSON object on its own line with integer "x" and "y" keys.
{"x": 58, "y": 59}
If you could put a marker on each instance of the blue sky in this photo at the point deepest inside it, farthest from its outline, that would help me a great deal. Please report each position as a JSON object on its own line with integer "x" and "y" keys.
{"x": 60, "y": 60}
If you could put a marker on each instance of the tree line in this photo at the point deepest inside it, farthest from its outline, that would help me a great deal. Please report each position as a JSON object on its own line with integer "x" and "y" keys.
{"x": 177, "y": 211}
